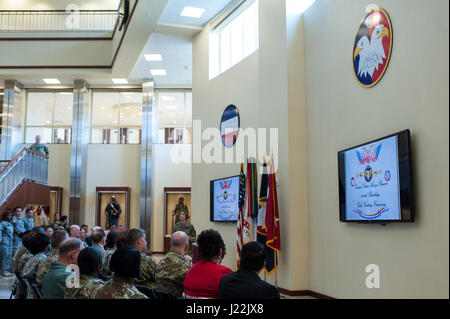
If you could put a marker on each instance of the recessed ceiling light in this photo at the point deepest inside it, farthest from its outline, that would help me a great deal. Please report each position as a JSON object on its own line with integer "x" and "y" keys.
{"x": 153, "y": 57}
{"x": 109, "y": 115}
{"x": 120, "y": 81}
{"x": 192, "y": 12}
{"x": 172, "y": 107}
{"x": 51, "y": 81}
{"x": 158, "y": 72}
{"x": 168, "y": 98}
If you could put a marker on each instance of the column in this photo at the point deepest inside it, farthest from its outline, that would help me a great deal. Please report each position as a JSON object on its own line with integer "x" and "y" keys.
{"x": 146, "y": 154}
{"x": 78, "y": 157}
{"x": 11, "y": 119}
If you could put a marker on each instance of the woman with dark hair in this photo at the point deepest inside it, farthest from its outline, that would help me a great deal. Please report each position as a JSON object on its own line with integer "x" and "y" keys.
{"x": 110, "y": 248}
{"x": 202, "y": 280}
{"x": 6, "y": 243}
{"x": 125, "y": 264}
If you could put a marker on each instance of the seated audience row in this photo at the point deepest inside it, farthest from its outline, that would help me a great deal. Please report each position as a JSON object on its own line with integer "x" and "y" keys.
{"x": 115, "y": 265}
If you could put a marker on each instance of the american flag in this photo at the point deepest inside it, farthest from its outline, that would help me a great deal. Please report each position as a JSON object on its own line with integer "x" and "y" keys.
{"x": 240, "y": 221}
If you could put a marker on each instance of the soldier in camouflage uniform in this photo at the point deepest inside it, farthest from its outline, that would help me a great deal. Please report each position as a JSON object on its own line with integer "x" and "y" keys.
{"x": 185, "y": 226}
{"x": 125, "y": 264}
{"x": 136, "y": 237}
{"x": 19, "y": 229}
{"x": 57, "y": 238}
{"x": 28, "y": 221}
{"x": 89, "y": 263}
{"x": 55, "y": 223}
{"x": 173, "y": 268}
{"x": 6, "y": 241}
{"x": 38, "y": 147}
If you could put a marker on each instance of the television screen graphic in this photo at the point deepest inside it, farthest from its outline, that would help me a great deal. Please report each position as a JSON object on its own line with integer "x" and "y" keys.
{"x": 225, "y": 199}
{"x": 372, "y": 183}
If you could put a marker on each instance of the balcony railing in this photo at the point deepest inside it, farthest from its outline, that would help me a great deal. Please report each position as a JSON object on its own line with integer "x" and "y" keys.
{"x": 59, "y": 20}
{"x": 26, "y": 165}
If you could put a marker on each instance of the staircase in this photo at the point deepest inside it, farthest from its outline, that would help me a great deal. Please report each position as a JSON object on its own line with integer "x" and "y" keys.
{"x": 23, "y": 181}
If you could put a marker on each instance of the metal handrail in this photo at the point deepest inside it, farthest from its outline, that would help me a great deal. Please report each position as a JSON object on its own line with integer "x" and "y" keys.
{"x": 26, "y": 165}
{"x": 58, "y": 20}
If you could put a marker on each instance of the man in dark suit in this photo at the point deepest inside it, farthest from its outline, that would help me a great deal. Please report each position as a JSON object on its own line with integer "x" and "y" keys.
{"x": 245, "y": 283}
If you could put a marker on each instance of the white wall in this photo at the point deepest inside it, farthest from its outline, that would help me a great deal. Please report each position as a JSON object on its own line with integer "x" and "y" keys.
{"x": 413, "y": 258}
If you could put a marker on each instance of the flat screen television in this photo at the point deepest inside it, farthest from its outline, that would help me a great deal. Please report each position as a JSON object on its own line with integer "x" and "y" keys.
{"x": 224, "y": 199}
{"x": 375, "y": 181}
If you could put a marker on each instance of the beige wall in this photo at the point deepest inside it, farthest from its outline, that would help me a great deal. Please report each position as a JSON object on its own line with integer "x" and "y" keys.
{"x": 301, "y": 82}
{"x": 258, "y": 86}
{"x": 112, "y": 166}
{"x": 59, "y": 171}
{"x": 413, "y": 258}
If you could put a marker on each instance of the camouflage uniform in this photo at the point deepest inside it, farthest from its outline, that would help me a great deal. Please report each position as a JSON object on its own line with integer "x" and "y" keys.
{"x": 106, "y": 271}
{"x": 55, "y": 225}
{"x": 189, "y": 229}
{"x": 28, "y": 223}
{"x": 31, "y": 267}
{"x": 119, "y": 288}
{"x": 44, "y": 265}
{"x": 19, "y": 228}
{"x": 89, "y": 286}
{"x": 40, "y": 148}
{"x": 147, "y": 276}
{"x": 6, "y": 245}
{"x": 23, "y": 260}
{"x": 170, "y": 273}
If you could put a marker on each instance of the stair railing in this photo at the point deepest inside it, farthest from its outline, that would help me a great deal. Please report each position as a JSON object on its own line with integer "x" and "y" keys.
{"x": 26, "y": 165}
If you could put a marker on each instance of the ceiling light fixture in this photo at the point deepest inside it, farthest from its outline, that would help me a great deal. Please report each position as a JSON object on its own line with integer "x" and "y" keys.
{"x": 120, "y": 81}
{"x": 192, "y": 12}
{"x": 51, "y": 81}
{"x": 153, "y": 57}
{"x": 158, "y": 72}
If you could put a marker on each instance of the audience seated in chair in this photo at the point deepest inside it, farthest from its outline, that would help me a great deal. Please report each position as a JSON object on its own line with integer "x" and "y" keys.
{"x": 110, "y": 248}
{"x": 54, "y": 282}
{"x": 89, "y": 264}
{"x": 245, "y": 283}
{"x": 57, "y": 238}
{"x": 172, "y": 269}
{"x": 125, "y": 264}
{"x": 137, "y": 237}
{"x": 202, "y": 280}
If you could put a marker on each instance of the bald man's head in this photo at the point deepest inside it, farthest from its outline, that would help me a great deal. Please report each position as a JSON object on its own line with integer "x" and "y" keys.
{"x": 74, "y": 231}
{"x": 179, "y": 240}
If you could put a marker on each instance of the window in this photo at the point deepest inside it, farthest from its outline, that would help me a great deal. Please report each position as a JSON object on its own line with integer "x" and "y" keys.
{"x": 173, "y": 119}
{"x": 234, "y": 39}
{"x": 49, "y": 114}
{"x": 116, "y": 118}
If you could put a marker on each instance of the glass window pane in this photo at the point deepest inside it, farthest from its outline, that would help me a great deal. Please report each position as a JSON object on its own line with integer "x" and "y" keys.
{"x": 105, "y": 117}
{"x": 39, "y": 108}
{"x": 130, "y": 117}
{"x": 44, "y": 132}
{"x": 225, "y": 42}
{"x": 171, "y": 109}
{"x": 62, "y": 135}
{"x": 63, "y": 109}
{"x": 214, "y": 54}
{"x": 236, "y": 40}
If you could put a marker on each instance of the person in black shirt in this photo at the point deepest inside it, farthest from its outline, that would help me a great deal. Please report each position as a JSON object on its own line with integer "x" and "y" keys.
{"x": 245, "y": 283}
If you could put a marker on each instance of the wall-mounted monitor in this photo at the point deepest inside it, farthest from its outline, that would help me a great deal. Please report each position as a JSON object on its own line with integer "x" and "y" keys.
{"x": 224, "y": 199}
{"x": 375, "y": 181}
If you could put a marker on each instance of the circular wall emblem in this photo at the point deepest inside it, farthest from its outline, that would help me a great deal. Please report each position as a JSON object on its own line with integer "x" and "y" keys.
{"x": 229, "y": 125}
{"x": 372, "y": 48}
